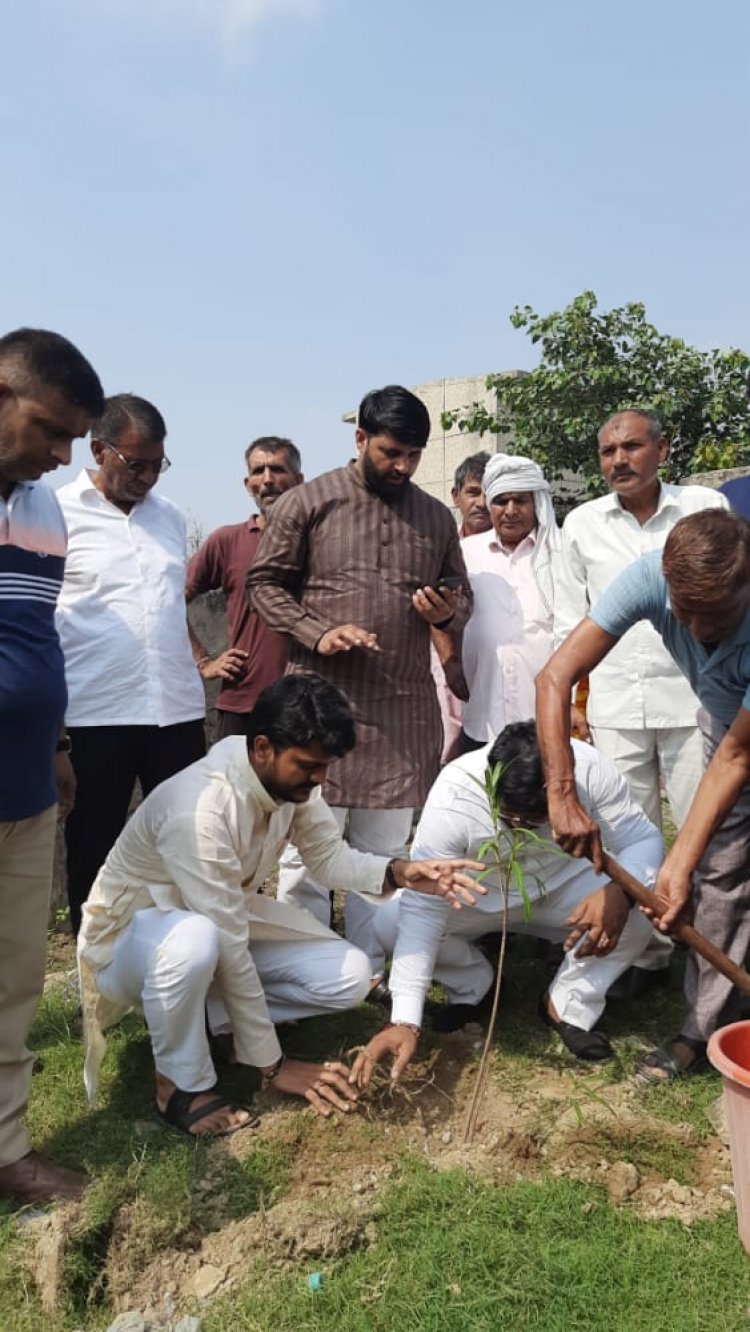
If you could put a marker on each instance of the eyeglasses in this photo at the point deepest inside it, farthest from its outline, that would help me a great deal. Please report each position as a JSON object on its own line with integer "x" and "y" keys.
{"x": 140, "y": 466}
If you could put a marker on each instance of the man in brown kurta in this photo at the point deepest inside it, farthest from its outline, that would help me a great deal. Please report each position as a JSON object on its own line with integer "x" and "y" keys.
{"x": 350, "y": 567}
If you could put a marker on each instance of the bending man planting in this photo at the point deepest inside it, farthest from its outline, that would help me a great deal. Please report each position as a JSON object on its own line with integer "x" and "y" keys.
{"x": 570, "y": 902}
{"x": 697, "y": 596}
{"x": 174, "y": 924}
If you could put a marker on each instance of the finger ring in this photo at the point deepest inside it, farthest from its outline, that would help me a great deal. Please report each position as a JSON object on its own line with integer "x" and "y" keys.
{"x": 327, "y": 1063}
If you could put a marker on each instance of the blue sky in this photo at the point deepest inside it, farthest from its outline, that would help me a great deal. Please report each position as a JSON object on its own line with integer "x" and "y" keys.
{"x": 252, "y": 211}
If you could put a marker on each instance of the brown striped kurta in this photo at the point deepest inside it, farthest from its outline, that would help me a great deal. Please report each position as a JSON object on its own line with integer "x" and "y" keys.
{"x": 334, "y": 552}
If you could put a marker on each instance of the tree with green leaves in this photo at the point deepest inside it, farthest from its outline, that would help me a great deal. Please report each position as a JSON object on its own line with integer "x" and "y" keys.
{"x": 594, "y": 363}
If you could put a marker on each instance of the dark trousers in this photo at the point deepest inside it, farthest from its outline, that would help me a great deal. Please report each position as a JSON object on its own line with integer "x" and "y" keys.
{"x": 230, "y": 723}
{"x": 107, "y": 761}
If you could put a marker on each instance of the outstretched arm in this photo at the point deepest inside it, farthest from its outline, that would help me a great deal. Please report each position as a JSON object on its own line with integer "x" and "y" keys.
{"x": 580, "y": 653}
{"x": 721, "y": 784}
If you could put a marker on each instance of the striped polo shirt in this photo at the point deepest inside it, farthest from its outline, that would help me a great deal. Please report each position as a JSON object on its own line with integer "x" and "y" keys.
{"x": 33, "y": 541}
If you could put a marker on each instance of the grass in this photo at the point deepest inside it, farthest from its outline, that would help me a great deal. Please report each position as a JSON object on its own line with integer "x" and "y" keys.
{"x": 451, "y": 1252}
{"x": 453, "y": 1255}
{"x": 181, "y": 1189}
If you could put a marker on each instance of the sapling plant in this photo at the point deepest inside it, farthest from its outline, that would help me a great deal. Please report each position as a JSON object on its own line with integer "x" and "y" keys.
{"x": 501, "y": 854}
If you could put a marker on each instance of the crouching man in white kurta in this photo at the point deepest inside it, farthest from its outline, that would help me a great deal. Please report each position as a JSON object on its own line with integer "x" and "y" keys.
{"x": 174, "y": 918}
{"x": 570, "y": 903}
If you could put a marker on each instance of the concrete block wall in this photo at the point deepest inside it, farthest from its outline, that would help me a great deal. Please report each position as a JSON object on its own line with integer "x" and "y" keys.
{"x": 446, "y": 449}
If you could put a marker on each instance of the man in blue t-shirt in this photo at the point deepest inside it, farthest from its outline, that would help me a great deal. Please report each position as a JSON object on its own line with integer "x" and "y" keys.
{"x": 48, "y": 395}
{"x": 697, "y": 595}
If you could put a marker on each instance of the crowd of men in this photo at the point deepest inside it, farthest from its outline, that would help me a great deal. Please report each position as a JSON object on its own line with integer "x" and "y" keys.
{"x": 380, "y": 656}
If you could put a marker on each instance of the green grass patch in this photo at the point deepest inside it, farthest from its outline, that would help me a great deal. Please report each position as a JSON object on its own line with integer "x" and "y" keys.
{"x": 172, "y": 1189}
{"x": 666, "y": 1157}
{"x": 454, "y": 1255}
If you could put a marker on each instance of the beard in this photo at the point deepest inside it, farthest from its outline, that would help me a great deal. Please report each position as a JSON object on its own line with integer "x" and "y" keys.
{"x": 374, "y": 481}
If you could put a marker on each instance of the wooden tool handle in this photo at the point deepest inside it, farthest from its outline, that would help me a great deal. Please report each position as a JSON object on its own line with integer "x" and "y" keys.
{"x": 687, "y": 934}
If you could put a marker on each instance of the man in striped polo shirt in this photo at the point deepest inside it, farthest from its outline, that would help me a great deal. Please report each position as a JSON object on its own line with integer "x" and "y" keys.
{"x": 48, "y": 396}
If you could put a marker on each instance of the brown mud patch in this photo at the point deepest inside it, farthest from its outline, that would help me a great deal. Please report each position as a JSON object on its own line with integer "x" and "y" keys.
{"x": 545, "y": 1121}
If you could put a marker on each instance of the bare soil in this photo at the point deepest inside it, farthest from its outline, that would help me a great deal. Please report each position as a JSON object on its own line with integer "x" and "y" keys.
{"x": 548, "y": 1124}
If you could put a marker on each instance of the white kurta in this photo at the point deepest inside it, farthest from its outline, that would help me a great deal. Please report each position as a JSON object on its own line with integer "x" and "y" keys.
{"x": 205, "y": 841}
{"x": 508, "y": 638}
{"x": 456, "y": 821}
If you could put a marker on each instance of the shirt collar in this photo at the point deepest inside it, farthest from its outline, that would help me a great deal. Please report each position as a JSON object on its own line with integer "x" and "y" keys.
{"x": 611, "y": 502}
{"x": 256, "y": 788}
{"x": 266, "y": 801}
{"x": 84, "y": 485}
{"x": 495, "y": 543}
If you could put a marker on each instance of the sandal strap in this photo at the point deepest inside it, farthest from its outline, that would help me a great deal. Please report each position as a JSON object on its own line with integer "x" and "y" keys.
{"x": 696, "y": 1047}
{"x": 661, "y": 1059}
{"x": 177, "y": 1111}
{"x": 664, "y": 1059}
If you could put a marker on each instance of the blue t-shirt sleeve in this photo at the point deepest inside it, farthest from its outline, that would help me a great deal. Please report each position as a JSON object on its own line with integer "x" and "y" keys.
{"x": 638, "y": 593}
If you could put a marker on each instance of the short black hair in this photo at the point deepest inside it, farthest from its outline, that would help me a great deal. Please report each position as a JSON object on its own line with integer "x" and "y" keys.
{"x": 126, "y": 411}
{"x": 397, "y": 412}
{"x": 275, "y": 444}
{"x": 521, "y": 783}
{"x": 473, "y": 466}
{"x": 301, "y": 710}
{"x": 33, "y": 356}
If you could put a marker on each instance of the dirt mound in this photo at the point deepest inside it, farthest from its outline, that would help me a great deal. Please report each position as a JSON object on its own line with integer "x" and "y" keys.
{"x": 552, "y": 1121}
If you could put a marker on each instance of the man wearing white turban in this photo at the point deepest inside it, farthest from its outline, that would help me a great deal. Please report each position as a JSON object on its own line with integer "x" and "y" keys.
{"x": 508, "y": 638}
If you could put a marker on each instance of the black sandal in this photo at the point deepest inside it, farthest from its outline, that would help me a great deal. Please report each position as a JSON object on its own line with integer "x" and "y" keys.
{"x": 591, "y": 1046}
{"x": 662, "y": 1064}
{"x": 178, "y": 1115}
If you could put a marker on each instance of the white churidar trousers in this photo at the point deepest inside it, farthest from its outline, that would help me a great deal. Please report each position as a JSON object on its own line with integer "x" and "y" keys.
{"x": 382, "y": 832}
{"x": 645, "y": 758}
{"x": 579, "y": 989}
{"x": 164, "y": 963}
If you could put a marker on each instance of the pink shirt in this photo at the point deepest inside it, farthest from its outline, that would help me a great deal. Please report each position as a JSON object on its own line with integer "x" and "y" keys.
{"x": 508, "y": 639}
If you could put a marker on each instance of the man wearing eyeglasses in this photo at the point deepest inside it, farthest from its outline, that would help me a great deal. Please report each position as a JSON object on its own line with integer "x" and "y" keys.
{"x": 135, "y": 699}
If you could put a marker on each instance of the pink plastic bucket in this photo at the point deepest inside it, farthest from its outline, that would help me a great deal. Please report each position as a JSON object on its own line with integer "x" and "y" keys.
{"x": 729, "y": 1052}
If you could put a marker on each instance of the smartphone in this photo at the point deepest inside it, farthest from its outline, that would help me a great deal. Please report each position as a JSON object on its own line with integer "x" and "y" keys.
{"x": 451, "y": 584}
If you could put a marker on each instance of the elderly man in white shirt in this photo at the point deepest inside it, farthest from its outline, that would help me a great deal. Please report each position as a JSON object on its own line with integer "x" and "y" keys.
{"x": 135, "y": 699}
{"x": 641, "y": 709}
{"x": 175, "y": 920}
{"x": 570, "y": 902}
{"x": 508, "y": 638}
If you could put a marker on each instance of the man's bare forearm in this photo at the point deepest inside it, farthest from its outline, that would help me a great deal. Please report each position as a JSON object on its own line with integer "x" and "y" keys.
{"x": 553, "y": 687}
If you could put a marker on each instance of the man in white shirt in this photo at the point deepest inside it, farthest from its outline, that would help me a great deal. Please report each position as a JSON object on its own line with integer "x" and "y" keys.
{"x": 135, "y": 699}
{"x": 569, "y": 900}
{"x": 174, "y": 918}
{"x": 641, "y": 709}
{"x": 508, "y": 637}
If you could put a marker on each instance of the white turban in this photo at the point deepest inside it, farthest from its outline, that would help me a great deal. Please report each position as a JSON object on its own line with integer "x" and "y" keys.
{"x": 509, "y": 472}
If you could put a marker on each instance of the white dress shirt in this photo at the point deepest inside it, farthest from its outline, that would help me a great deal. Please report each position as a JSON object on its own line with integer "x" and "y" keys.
{"x": 638, "y": 685}
{"x": 508, "y": 638}
{"x": 121, "y": 614}
{"x": 205, "y": 841}
{"x": 456, "y": 821}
